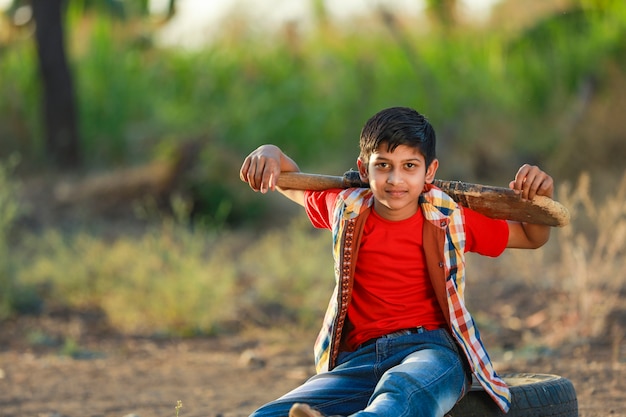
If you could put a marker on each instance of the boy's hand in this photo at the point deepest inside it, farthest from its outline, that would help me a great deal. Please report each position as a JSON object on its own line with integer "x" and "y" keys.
{"x": 262, "y": 167}
{"x": 531, "y": 181}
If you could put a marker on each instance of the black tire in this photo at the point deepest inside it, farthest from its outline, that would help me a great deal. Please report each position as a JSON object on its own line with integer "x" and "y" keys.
{"x": 533, "y": 395}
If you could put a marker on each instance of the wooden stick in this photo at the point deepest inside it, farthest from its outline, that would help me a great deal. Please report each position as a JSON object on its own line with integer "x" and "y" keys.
{"x": 494, "y": 202}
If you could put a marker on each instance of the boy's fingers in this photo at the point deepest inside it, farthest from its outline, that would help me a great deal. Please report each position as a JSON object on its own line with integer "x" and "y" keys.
{"x": 268, "y": 176}
{"x": 531, "y": 181}
{"x": 265, "y": 179}
{"x": 523, "y": 180}
{"x": 253, "y": 175}
{"x": 522, "y": 177}
{"x": 546, "y": 186}
{"x": 512, "y": 185}
{"x": 530, "y": 190}
{"x": 259, "y": 176}
{"x": 243, "y": 171}
{"x": 538, "y": 183}
{"x": 262, "y": 175}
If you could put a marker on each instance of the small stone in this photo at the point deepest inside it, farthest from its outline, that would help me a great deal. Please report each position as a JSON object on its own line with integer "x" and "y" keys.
{"x": 250, "y": 359}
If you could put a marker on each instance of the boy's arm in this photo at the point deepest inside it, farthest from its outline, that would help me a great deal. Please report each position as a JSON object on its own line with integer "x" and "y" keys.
{"x": 262, "y": 167}
{"x": 529, "y": 182}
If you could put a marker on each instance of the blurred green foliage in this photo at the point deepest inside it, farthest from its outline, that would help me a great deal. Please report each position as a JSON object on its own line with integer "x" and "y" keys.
{"x": 15, "y": 295}
{"x": 311, "y": 93}
{"x": 496, "y": 99}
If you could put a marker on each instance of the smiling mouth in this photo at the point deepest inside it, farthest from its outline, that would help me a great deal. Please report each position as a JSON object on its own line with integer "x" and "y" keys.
{"x": 396, "y": 193}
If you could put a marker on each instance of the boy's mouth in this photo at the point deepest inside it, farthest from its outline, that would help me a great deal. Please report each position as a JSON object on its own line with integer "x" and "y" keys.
{"x": 395, "y": 193}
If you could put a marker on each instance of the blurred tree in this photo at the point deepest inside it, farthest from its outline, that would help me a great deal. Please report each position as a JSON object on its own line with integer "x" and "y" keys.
{"x": 443, "y": 11}
{"x": 62, "y": 140}
{"x": 171, "y": 8}
{"x": 320, "y": 12}
{"x": 59, "y": 106}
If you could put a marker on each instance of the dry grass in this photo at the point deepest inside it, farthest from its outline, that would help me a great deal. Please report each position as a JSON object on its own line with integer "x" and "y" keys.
{"x": 568, "y": 293}
{"x": 170, "y": 280}
{"x": 181, "y": 281}
{"x": 593, "y": 255}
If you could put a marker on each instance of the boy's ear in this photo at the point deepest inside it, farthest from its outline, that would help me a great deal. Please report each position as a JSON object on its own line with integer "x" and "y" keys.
{"x": 431, "y": 171}
{"x": 362, "y": 170}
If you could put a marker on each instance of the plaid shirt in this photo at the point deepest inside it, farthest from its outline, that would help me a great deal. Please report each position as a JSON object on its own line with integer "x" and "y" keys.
{"x": 441, "y": 211}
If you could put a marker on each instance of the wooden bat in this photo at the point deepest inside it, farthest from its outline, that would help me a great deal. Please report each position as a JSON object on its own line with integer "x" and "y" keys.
{"x": 494, "y": 202}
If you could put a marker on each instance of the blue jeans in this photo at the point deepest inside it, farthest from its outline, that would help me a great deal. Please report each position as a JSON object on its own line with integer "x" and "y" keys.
{"x": 417, "y": 375}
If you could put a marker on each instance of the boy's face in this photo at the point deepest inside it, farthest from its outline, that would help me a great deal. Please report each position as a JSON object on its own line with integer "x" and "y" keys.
{"x": 397, "y": 179}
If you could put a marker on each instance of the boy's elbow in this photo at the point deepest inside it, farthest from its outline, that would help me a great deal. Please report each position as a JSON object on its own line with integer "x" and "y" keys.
{"x": 527, "y": 236}
{"x": 538, "y": 244}
{"x": 538, "y": 240}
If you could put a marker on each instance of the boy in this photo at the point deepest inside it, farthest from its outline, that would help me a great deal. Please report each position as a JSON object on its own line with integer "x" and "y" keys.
{"x": 397, "y": 339}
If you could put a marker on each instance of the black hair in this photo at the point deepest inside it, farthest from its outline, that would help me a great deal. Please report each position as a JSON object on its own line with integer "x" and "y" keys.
{"x": 398, "y": 126}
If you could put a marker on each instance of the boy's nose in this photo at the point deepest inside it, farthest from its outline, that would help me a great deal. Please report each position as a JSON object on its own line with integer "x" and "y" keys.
{"x": 394, "y": 178}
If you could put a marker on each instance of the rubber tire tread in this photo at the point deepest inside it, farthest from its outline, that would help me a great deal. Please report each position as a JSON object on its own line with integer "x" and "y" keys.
{"x": 543, "y": 396}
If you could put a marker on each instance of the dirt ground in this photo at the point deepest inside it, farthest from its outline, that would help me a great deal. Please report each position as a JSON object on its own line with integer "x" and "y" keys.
{"x": 105, "y": 375}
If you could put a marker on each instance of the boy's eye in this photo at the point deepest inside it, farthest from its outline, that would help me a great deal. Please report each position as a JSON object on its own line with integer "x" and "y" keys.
{"x": 410, "y": 165}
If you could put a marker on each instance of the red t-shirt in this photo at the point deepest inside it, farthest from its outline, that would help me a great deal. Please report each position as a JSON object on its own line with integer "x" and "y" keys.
{"x": 392, "y": 289}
